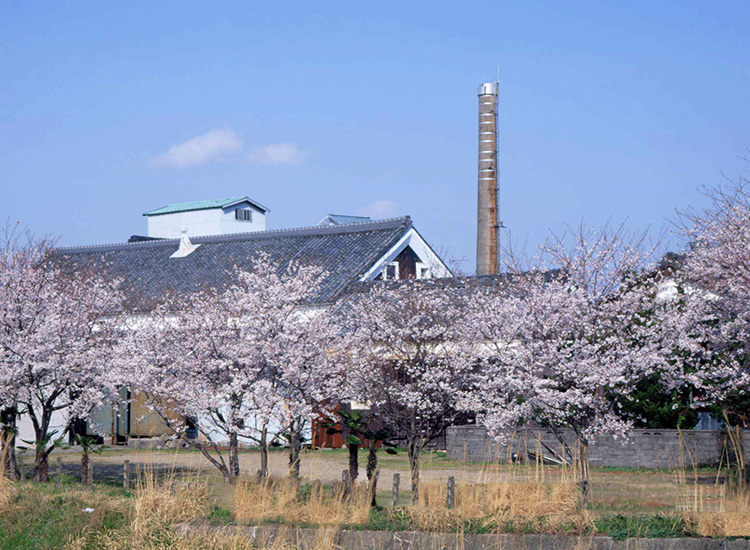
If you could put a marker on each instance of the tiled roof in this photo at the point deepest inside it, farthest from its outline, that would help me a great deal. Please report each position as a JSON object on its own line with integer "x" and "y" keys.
{"x": 201, "y": 205}
{"x": 345, "y": 252}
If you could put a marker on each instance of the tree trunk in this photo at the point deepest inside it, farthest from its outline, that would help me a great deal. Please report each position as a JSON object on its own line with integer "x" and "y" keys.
{"x": 42, "y": 437}
{"x": 85, "y": 467}
{"x": 372, "y": 468}
{"x": 264, "y": 451}
{"x": 225, "y": 472}
{"x": 294, "y": 448}
{"x": 353, "y": 461}
{"x": 8, "y": 417}
{"x": 413, "y": 448}
{"x": 583, "y": 470}
{"x": 41, "y": 466}
{"x": 237, "y": 423}
{"x": 234, "y": 458}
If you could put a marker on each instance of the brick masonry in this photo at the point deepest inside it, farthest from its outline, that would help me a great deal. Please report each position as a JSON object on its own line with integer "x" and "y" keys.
{"x": 645, "y": 448}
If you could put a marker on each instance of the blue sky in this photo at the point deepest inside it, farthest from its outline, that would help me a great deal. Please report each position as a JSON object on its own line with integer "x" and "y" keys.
{"x": 607, "y": 110}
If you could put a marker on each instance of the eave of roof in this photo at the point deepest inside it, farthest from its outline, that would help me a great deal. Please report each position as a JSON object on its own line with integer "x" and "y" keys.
{"x": 314, "y": 230}
{"x": 203, "y": 205}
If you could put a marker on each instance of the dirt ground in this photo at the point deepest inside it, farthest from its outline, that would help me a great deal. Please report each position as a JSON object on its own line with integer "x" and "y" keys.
{"x": 324, "y": 465}
{"x": 627, "y": 491}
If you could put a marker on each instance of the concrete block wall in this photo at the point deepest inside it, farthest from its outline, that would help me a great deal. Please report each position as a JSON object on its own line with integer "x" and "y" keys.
{"x": 645, "y": 448}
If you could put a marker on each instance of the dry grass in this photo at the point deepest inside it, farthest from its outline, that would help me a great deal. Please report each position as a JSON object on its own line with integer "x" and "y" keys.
{"x": 550, "y": 505}
{"x": 157, "y": 506}
{"x": 726, "y": 514}
{"x": 258, "y": 500}
{"x": 6, "y": 488}
{"x": 732, "y": 520}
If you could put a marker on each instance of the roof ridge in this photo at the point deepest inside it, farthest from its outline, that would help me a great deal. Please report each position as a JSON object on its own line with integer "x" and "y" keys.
{"x": 204, "y": 204}
{"x": 307, "y": 230}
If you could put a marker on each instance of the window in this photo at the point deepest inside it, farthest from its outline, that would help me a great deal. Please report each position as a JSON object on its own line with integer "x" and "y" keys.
{"x": 390, "y": 273}
{"x": 243, "y": 215}
{"x": 422, "y": 271}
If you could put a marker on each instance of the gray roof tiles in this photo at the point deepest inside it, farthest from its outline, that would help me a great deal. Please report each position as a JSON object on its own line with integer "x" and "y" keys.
{"x": 344, "y": 252}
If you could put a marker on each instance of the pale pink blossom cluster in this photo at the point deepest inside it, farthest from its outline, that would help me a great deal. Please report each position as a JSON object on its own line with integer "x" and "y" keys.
{"x": 57, "y": 336}
{"x": 236, "y": 362}
{"x": 404, "y": 350}
{"x": 712, "y": 308}
{"x": 567, "y": 334}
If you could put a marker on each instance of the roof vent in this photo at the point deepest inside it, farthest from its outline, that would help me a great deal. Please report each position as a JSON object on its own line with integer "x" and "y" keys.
{"x": 186, "y": 247}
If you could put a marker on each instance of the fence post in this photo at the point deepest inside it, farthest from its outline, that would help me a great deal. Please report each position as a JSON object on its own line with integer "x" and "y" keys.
{"x": 451, "y": 492}
{"x": 396, "y": 483}
{"x": 58, "y": 476}
{"x": 126, "y": 475}
{"x": 90, "y": 477}
{"x": 347, "y": 481}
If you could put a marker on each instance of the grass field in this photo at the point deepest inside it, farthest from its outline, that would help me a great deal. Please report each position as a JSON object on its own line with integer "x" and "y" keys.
{"x": 612, "y": 490}
{"x": 179, "y": 485}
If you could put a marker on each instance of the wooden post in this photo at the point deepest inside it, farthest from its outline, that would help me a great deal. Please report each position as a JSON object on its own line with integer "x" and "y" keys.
{"x": 396, "y": 483}
{"x": 90, "y": 479}
{"x": 126, "y": 475}
{"x": 58, "y": 476}
{"x": 346, "y": 479}
{"x": 451, "y": 492}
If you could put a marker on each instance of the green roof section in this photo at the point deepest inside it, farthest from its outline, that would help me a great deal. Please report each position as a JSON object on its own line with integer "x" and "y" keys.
{"x": 202, "y": 205}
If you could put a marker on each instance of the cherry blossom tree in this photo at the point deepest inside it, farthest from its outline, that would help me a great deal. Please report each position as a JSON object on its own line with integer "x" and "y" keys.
{"x": 236, "y": 361}
{"x": 711, "y": 298}
{"x": 564, "y": 336}
{"x": 403, "y": 346}
{"x": 56, "y": 337}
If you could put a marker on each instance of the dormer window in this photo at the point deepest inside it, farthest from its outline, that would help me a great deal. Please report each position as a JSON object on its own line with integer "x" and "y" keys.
{"x": 422, "y": 270}
{"x": 390, "y": 273}
{"x": 243, "y": 215}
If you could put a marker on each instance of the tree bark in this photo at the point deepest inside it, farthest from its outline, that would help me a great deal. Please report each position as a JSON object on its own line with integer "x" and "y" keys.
{"x": 41, "y": 459}
{"x": 583, "y": 470}
{"x": 234, "y": 458}
{"x": 353, "y": 461}
{"x": 294, "y": 448}
{"x": 264, "y": 451}
{"x": 413, "y": 448}
{"x": 372, "y": 468}
{"x": 41, "y": 467}
{"x": 84, "y": 467}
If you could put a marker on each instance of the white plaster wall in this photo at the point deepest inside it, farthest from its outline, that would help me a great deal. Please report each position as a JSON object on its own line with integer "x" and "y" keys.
{"x": 197, "y": 223}
{"x": 214, "y": 221}
{"x": 26, "y": 428}
{"x": 230, "y": 225}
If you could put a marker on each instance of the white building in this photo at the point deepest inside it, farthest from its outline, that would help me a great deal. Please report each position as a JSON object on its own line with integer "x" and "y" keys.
{"x": 211, "y": 217}
{"x": 194, "y": 245}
